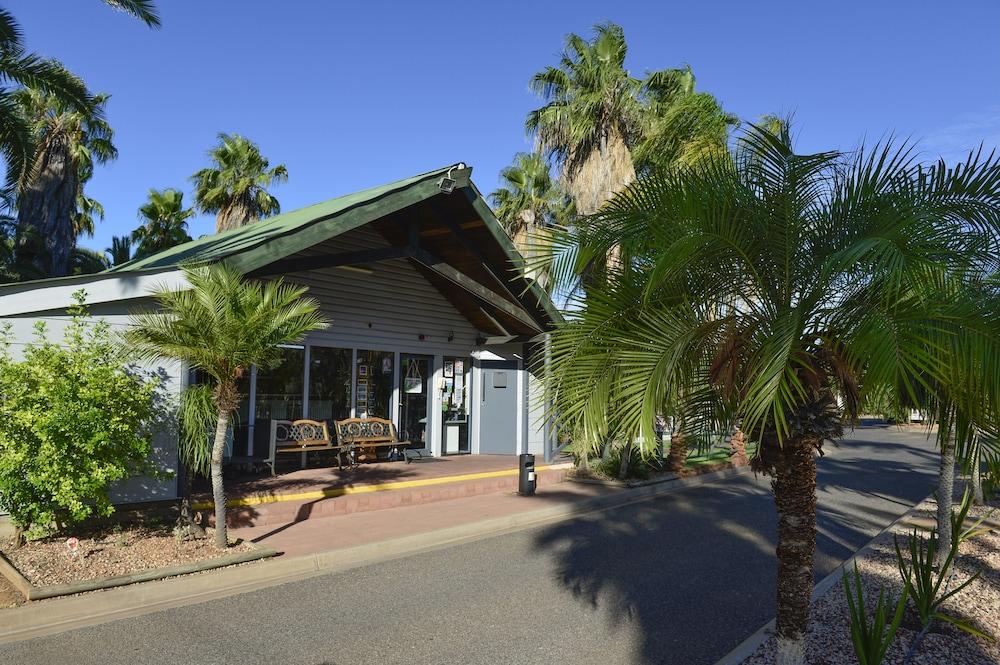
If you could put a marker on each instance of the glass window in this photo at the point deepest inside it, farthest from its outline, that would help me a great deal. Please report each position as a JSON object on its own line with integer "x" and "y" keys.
{"x": 329, "y": 383}
{"x": 373, "y": 390}
{"x": 279, "y": 390}
{"x": 279, "y": 396}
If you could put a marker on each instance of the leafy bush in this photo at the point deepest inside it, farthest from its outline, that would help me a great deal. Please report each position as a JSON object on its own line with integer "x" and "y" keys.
{"x": 73, "y": 420}
{"x": 871, "y": 640}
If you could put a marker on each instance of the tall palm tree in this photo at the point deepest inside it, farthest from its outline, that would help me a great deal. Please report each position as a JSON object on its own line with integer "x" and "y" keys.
{"x": 222, "y": 325}
{"x": 120, "y": 251}
{"x": 777, "y": 282}
{"x": 20, "y": 69}
{"x": 679, "y": 125}
{"x": 528, "y": 202}
{"x": 591, "y": 115}
{"x": 164, "y": 222}
{"x": 52, "y": 207}
{"x": 235, "y": 186}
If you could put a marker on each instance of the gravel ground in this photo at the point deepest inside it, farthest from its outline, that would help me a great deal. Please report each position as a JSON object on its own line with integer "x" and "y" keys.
{"x": 108, "y": 554}
{"x": 829, "y": 639}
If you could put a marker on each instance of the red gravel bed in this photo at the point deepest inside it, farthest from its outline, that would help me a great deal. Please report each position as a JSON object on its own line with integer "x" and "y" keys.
{"x": 109, "y": 553}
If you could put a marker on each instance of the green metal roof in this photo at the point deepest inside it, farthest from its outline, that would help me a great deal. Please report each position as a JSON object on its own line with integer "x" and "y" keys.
{"x": 290, "y": 232}
{"x": 261, "y": 243}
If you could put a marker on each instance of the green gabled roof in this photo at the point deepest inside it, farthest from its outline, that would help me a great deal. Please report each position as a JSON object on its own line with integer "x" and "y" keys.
{"x": 294, "y": 231}
{"x": 262, "y": 243}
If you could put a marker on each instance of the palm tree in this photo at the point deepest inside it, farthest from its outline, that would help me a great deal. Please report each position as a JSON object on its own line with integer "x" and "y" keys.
{"x": 86, "y": 261}
{"x": 528, "y": 202}
{"x": 22, "y": 69}
{"x": 222, "y": 325}
{"x": 779, "y": 282}
{"x": 679, "y": 125}
{"x": 591, "y": 116}
{"x": 235, "y": 186}
{"x": 164, "y": 224}
{"x": 144, "y": 10}
{"x": 120, "y": 251}
{"x": 47, "y": 76}
{"x": 52, "y": 208}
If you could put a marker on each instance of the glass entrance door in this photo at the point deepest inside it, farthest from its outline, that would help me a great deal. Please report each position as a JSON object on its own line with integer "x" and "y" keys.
{"x": 455, "y": 405}
{"x": 414, "y": 391}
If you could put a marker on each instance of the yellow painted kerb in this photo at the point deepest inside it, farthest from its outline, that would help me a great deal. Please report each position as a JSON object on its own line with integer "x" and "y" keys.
{"x": 259, "y": 499}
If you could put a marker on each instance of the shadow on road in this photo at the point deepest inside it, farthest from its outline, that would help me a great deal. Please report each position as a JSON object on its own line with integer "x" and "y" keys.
{"x": 693, "y": 572}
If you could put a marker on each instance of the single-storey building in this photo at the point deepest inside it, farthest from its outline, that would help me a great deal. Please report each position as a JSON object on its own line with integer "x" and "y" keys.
{"x": 433, "y": 322}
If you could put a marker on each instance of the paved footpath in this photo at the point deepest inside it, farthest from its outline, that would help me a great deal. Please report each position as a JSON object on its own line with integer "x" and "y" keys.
{"x": 681, "y": 579}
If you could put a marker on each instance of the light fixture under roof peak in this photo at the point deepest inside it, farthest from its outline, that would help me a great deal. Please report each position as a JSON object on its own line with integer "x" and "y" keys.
{"x": 447, "y": 183}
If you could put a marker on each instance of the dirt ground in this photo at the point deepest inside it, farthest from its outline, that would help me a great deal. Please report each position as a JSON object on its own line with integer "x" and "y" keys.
{"x": 108, "y": 553}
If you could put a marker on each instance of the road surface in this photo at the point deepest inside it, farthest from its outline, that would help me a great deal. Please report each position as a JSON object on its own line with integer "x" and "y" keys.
{"x": 680, "y": 579}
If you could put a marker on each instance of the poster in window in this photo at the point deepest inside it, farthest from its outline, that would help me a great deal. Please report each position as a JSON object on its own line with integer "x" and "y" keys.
{"x": 449, "y": 369}
{"x": 449, "y": 386}
{"x": 459, "y": 379}
{"x": 413, "y": 383}
{"x": 362, "y": 370}
{"x": 387, "y": 365}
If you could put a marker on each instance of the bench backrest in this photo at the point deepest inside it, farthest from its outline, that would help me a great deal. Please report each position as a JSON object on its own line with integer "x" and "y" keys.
{"x": 288, "y": 433}
{"x": 365, "y": 430}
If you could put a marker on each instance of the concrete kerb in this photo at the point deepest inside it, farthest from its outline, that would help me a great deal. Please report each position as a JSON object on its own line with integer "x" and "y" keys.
{"x": 747, "y": 647}
{"x": 67, "y": 613}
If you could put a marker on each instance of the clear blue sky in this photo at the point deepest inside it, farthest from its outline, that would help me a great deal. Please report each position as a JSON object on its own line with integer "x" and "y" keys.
{"x": 350, "y": 95}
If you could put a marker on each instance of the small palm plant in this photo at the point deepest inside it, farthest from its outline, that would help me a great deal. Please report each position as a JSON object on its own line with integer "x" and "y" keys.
{"x": 871, "y": 640}
{"x": 222, "y": 325}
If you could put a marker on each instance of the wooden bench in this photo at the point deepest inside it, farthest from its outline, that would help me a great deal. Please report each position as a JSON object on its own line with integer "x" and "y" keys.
{"x": 364, "y": 437}
{"x": 303, "y": 437}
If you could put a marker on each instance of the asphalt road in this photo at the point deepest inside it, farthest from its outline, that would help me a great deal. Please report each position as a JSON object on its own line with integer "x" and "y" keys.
{"x": 680, "y": 579}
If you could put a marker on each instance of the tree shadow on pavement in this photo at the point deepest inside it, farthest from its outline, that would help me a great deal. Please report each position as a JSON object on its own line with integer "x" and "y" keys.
{"x": 693, "y": 572}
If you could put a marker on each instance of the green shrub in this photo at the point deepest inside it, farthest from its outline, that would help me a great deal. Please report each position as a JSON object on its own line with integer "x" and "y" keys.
{"x": 871, "y": 640}
{"x": 73, "y": 420}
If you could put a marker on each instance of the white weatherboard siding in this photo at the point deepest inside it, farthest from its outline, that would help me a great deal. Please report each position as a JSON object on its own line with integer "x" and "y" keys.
{"x": 387, "y": 310}
{"x": 139, "y": 488}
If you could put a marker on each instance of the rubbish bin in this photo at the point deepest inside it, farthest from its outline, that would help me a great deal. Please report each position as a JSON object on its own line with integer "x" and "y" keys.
{"x": 527, "y": 479}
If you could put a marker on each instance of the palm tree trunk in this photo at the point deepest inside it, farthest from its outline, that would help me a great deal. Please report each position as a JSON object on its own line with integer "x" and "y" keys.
{"x": 677, "y": 457}
{"x": 218, "y": 491}
{"x": 945, "y": 490}
{"x": 625, "y": 460}
{"x": 795, "y": 498}
{"x": 582, "y": 460}
{"x": 976, "y": 479}
{"x": 739, "y": 444}
{"x": 45, "y": 234}
{"x": 186, "y": 526}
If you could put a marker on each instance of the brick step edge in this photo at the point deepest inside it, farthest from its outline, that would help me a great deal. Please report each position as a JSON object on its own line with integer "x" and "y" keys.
{"x": 283, "y": 512}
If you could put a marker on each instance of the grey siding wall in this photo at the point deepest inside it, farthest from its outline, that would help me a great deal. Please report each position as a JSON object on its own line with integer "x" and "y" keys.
{"x": 139, "y": 488}
{"x": 388, "y": 309}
